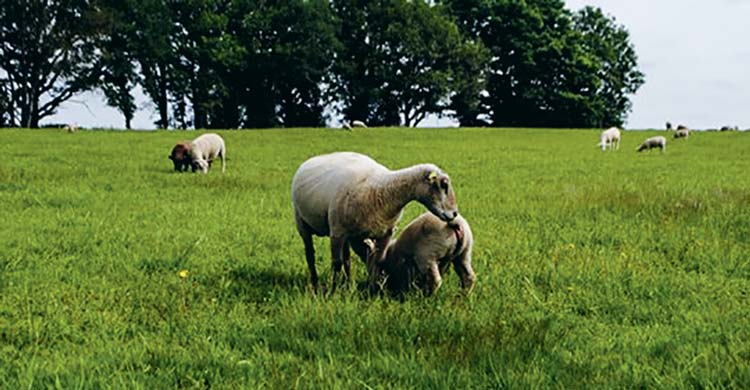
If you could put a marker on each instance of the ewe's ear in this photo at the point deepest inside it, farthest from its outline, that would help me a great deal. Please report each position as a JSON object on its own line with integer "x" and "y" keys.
{"x": 432, "y": 177}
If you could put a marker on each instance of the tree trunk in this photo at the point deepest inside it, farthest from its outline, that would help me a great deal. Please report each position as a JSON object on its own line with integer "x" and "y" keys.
{"x": 162, "y": 103}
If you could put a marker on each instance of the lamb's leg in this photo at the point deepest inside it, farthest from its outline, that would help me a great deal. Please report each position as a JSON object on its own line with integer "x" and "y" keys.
{"x": 337, "y": 251}
{"x": 434, "y": 280}
{"x": 462, "y": 265}
{"x": 306, "y": 233}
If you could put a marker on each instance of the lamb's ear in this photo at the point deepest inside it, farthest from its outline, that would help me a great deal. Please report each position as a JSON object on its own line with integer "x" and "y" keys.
{"x": 432, "y": 177}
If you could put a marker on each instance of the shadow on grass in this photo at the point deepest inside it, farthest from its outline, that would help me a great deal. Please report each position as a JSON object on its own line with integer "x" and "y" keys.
{"x": 247, "y": 283}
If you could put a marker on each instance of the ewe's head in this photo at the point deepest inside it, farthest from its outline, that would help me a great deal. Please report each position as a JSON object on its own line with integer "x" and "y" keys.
{"x": 201, "y": 165}
{"x": 435, "y": 192}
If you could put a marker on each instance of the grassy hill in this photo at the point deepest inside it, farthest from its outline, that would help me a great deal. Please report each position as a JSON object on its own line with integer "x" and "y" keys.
{"x": 595, "y": 270}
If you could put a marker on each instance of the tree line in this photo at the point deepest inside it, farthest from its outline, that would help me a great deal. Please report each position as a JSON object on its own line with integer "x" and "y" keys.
{"x": 291, "y": 63}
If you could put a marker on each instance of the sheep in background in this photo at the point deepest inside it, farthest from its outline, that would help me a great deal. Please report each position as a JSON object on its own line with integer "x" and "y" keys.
{"x": 611, "y": 138}
{"x": 71, "y": 127}
{"x": 359, "y": 124}
{"x": 421, "y": 254}
{"x": 350, "y": 197}
{"x": 204, "y": 149}
{"x": 682, "y": 133}
{"x": 653, "y": 142}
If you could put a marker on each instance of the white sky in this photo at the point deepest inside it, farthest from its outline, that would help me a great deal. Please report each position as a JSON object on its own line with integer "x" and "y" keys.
{"x": 695, "y": 55}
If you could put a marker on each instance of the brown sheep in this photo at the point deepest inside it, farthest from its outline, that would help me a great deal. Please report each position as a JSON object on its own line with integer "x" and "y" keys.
{"x": 181, "y": 157}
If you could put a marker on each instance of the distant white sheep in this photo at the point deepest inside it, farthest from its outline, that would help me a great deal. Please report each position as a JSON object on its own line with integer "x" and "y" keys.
{"x": 359, "y": 124}
{"x": 350, "y": 197}
{"x": 423, "y": 251}
{"x": 610, "y": 138}
{"x": 682, "y": 133}
{"x": 71, "y": 128}
{"x": 204, "y": 149}
{"x": 653, "y": 142}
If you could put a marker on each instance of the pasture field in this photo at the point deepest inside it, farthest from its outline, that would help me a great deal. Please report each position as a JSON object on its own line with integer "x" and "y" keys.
{"x": 595, "y": 270}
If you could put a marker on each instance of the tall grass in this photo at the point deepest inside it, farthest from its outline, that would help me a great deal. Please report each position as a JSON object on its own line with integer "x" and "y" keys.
{"x": 595, "y": 270}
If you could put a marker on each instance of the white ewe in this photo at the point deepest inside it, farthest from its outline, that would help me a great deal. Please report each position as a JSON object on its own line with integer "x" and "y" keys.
{"x": 611, "y": 138}
{"x": 653, "y": 142}
{"x": 350, "y": 197}
{"x": 359, "y": 124}
{"x": 204, "y": 149}
{"x": 682, "y": 133}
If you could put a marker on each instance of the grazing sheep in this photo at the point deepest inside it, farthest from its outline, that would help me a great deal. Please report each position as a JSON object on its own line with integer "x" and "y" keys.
{"x": 611, "y": 138}
{"x": 358, "y": 124}
{"x": 654, "y": 142}
{"x": 682, "y": 133}
{"x": 350, "y": 197}
{"x": 204, "y": 149}
{"x": 681, "y": 127}
{"x": 423, "y": 251}
{"x": 180, "y": 156}
{"x": 347, "y": 126}
{"x": 669, "y": 126}
{"x": 71, "y": 128}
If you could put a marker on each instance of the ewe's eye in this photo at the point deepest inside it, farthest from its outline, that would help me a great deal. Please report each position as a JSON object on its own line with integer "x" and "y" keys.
{"x": 444, "y": 185}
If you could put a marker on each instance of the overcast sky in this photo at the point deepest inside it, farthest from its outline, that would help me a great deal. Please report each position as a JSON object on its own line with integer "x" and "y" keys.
{"x": 694, "y": 54}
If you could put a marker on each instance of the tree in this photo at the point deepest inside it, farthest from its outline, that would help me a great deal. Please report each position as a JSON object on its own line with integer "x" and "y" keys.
{"x": 616, "y": 64}
{"x": 152, "y": 50}
{"x": 288, "y": 53}
{"x": 48, "y": 54}
{"x": 401, "y": 60}
{"x": 545, "y": 70}
{"x": 117, "y": 61}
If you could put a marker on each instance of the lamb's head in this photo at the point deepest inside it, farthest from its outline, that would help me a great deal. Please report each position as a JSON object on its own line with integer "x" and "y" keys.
{"x": 435, "y": 192}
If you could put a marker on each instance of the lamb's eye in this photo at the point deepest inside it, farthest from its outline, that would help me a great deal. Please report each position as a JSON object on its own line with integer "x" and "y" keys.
{"x": 444, "y": 185}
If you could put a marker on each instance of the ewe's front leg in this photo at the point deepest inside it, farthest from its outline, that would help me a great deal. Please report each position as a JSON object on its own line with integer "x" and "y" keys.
{"x": 347, "y": 258}
{"x": 376, "y": 261}
{"x": 337, "y": 253}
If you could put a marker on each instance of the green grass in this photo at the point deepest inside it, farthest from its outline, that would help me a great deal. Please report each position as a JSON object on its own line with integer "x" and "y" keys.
{"x": 595, "y": 270}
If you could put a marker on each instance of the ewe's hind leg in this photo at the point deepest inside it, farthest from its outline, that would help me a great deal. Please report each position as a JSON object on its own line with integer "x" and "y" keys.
{"x": 223, "y": 161}
{"x": 306, "y": 233}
